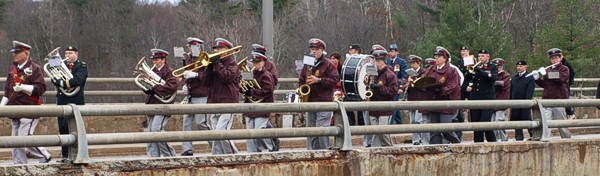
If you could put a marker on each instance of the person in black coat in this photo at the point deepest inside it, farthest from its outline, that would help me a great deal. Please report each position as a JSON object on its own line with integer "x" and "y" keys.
{"x": 522, "y": 88}
{"x": 598, "y": 93}
{"x": 480, "y": 85}
{"x": 80, "y": 73}
{"x": 569, "y": 110}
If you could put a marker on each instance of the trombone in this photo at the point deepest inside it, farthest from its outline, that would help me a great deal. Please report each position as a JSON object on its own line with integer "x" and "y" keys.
{"x": 205, "y": 61}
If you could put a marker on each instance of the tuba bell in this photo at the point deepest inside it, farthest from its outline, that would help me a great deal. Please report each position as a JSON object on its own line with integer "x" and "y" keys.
{"x": 147, "y": 79}
{"x": 248, "y": 84}
{"x": 59, "y": 72}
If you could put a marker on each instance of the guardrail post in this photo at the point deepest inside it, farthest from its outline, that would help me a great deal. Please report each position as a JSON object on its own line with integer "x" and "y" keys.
{"x": 542, "y": 133}
{"x": 78, "y": 153}
{"x": 343, "y": 141}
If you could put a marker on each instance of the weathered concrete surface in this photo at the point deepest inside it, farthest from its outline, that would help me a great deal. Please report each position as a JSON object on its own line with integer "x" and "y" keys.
{"x": 124, "y": 150}
{"x": 558, "y": 157}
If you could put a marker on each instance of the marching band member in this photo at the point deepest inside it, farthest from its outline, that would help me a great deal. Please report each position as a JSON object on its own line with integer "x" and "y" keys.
{"x": 24, "y": 86}
{"x": 555, "y": 81}
{"x": 399, "y": 67}
{"x": 156, "y": 123}
{"x": 198, "y": 94}
{"x": 446, "y": 87}
{"x": 271, "y": 68}
{"x": 80, "y": 73}
{"x": 413, "y": 95}
{"x": 322, "y": 80}
{"x": 482, "y": 88}
{"x": 429, "y": 62}
{"x": 260, "y": 120}
{"x": 522, "y": 88}
{"x": 269, "y": 65}
{"x": 224, "y": 79}
{"x": 353, "y": 119}
{"x": 502, "y": 86}
{"x": 384, "y": 87}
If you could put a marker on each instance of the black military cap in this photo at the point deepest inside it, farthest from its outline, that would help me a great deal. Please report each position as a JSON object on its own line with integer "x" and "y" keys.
{"x": 317, "y": 43}
{"x": 522, "y": 62}
{"x": 259, "y": 48}
{"x": 258, "y": 57}
{"x": 355, "y": 46}
{"x": 222, "y": 43}
{"x": 19, "y": 46}
{"x": 554, "y": 52}
{"x": 380, "y": 54}
{"x": 464, "y": 48}
{"x": 159, "y": 53}
{"x": 71, "y": 48}
{"x": 484, "y": 51}
{"x": 393, "y": 47}
{"x": 414, "y": 58}
{"x": 498, "y": 61}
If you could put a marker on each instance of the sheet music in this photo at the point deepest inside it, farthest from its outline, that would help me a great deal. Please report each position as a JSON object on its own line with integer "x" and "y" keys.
{"x": 468, "y": 61}
{"x": 195, "y": 50}
{"x": 178, "y": 52}
{"x": 371, "y": 70}
{"x": 309, "y": 60}
{"x": 55, "y": 61}
{"x": 247, "y": 75}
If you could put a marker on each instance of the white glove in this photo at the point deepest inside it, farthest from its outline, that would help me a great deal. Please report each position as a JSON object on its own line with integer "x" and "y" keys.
{"x": 24, "y": 87}
{"x": 185, "y": 88}
{"x": 542, "y": 71}
{"x": 4, "y": 101}
{"x": 536, "y": 75}
{"x": 190, "y": 75}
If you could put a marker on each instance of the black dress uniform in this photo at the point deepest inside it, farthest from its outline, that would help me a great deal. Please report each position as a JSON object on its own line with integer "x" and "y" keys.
{"x": 482, "y": 89}
{"x": 522, "y": 88}
{"x": 80, "y": 73}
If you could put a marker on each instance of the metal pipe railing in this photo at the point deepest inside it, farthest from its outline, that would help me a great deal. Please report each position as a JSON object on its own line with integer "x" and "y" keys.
{"x": 281, "y": 80}
{"x": 182, "y": 136}
{"x": 441, "y": 127}
{"x": 341, "y": 131}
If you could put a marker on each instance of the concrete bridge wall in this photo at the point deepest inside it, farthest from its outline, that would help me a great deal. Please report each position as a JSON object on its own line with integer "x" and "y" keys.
{"x": 559, "y": 157}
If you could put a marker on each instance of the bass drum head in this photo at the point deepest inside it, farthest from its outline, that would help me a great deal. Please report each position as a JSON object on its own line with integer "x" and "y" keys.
{"x": 353, "y": 76}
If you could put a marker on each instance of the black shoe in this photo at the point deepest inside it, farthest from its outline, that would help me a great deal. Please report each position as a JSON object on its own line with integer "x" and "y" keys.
{"x": 187, "y": 153}
{"x": 416, "y": 143}
{"x": 275, "y": 145}
{"x": 47, "y": 160}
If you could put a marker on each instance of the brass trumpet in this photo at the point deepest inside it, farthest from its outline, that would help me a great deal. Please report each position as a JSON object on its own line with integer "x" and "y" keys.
{"x": 472, "y": 67}
{"x": 204, "y": 60}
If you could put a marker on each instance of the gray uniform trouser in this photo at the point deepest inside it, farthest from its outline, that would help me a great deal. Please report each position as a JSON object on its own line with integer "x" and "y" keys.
{"x": 318, "y": 119}
{"x": 201, "y": 122}
{"x": 381, "y": 139}
{"x": 437, "y": 137}
{"x": 26, "y": 127}
{"x": 222, "y": 122}
{"x": 498, "y": 116}
{"x": 157, "y": 123}
{"x": 257, "y": 145}
{"x": 367, "y": 139}
{"x": 417, "y": 118}
{"x": 558, "y": 113}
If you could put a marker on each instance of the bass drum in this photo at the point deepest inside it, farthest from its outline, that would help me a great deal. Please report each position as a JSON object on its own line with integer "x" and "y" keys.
{"x": 353, "y": 76}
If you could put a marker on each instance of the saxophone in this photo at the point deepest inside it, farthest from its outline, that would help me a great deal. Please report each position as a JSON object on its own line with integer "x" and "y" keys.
{"x": 304, "y": 89}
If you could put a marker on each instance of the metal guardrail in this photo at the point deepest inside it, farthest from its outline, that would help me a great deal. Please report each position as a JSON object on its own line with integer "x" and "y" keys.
{"x": 577, "y": 89}
{"x": 78, "y": 140}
